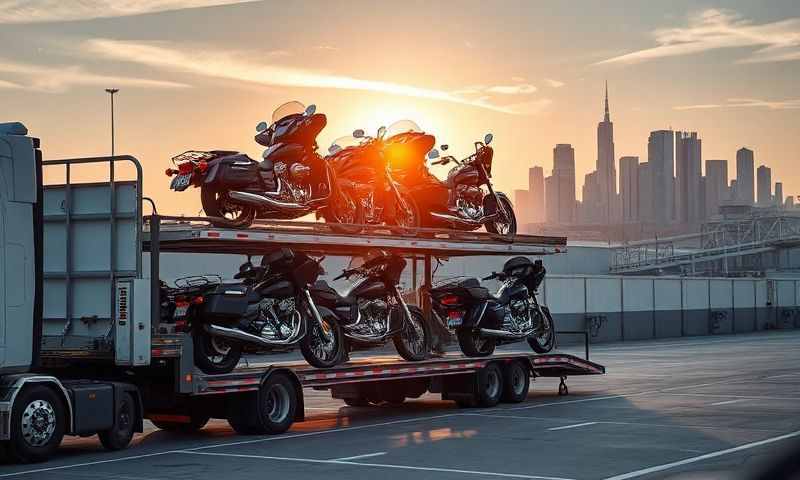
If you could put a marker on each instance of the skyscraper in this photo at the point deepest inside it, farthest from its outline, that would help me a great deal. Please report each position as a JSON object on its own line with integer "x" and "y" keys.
{"x": 660, "y": 148}
{"x": 536, "y": 187}
{"x": 645, "y": 179}
{"x": 764, "y": 184}
{"x": 688, "y": 172}
{"x": 716, "y": 185}
{"x": 629, "y": 188}
{"x": 606, "y": 170}
{"x": 778, "y": 197}
{"x": 560, "y": 186}
{"x": 745, "y": 191}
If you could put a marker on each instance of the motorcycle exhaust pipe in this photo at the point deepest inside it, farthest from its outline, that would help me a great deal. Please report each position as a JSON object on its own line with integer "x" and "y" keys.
{"x": 235, "y": 334}
{"x": 265, "y": 202}
{"x": 503, "y": 334}
{"x": 463, "y": 221}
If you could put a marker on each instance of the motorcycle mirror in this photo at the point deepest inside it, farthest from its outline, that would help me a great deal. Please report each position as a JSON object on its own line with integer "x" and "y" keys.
{"x": 261, "y": 127}
{"x": 488, "y": 138}
{"x": 310, "y": 110}
{"x": 265, "y": 153}
{"x": 445, "y": 147}
{"x": 358, "y": 133}
{"x": 433, "y": 154}
{"x": 381, "y": 132}
{"x": 334, "y": 149}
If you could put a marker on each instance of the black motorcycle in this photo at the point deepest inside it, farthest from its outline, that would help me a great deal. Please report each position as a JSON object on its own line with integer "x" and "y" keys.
{"x": 291, "y": 181}
{"x": 466, "y": 200}
{"x": 482, "y": 321}
{"x": 270, "y": 307}
{"x": 374, "y": 311}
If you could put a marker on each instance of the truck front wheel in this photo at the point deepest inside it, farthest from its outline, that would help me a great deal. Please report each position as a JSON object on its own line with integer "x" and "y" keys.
{"x": 37, "y": 424}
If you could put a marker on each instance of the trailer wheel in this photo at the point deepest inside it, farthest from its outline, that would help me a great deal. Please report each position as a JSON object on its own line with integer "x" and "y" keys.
{"x": 37, "y": 424}
{"x": 490, "y": 386}
{"x": 516, "y": 382}
{"x": 120, "y": 435}
{"x": 271, "y": 410}
{"x": 196, "y": 422}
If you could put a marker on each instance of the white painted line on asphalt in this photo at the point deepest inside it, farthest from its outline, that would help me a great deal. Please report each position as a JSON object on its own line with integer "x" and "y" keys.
{"x": 357, "y": 457}
{"x": 582, "y": 400}
{"x": 378, "y": 465}
{"x": 577, "y": 425}
{"x": 725, "y": 395}
{"x": 728, "y": 402}
{"x": 700, "y": 458}
{"x": 85, "y": 464}
{"x": 782, "y": 376}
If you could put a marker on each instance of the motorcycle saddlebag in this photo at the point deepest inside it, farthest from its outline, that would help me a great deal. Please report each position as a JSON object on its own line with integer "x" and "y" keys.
{"x": 225, "y": 303}
{"x": 237, "y": 175}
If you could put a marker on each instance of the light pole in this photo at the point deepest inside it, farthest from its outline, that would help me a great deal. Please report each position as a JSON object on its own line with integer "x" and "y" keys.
{"x": 111, "y": 92}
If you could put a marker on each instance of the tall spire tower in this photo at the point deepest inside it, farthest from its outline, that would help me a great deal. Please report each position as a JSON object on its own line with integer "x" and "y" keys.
{"x": 606, "y": 167}
{"x": 607, "y": 117}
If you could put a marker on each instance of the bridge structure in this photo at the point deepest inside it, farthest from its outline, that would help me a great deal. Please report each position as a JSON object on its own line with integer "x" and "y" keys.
{"x": 727, "y": 246}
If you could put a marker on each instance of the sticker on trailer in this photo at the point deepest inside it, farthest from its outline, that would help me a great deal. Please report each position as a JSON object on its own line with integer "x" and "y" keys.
{"x": 122, "y": 329}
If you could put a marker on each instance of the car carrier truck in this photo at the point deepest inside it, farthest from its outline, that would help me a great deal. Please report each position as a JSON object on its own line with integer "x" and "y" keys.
{"x": 83, "y": 350}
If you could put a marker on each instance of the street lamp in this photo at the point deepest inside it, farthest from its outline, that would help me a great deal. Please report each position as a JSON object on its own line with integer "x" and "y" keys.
{"x": 111, "y": 92}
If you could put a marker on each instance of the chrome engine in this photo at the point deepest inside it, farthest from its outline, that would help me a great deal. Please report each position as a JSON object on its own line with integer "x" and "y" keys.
{"x": 469, "y": 200}
{"x": 292, "y": 186}
{"x": 278, "y": 319}
{"x": 519, "y": 316}
{"x": 374, "y": 318}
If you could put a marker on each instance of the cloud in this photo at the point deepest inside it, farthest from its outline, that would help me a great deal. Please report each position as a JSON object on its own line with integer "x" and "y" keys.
{"x": 745, "y": 103}
{"x": 329, "y": 48}
{"x": 532, "y": 107}
{"x": 522, "y": 88}
{"x": 56, "y": 79}
{"x": 236, "y": 66}
{"x": 714, "y": 29}
{"x": 554, "y": 83}
{"x": 41, "y": 11}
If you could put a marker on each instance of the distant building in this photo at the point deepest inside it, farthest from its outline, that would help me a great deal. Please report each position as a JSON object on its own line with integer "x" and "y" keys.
{"x": 778, "y": 197}
{"x": 688, "y": 171}
{"x": 789, "y": 202}
{"x": 733, "y": 194}
{"x": 661, "y": 160}
{"x": 536, "y": 189}
{"x": 716, "y": 185}
{"x": 764, "y": 184}
{"x": 629, "y": 188}
{"x": 560, "y": 186}
{"x": 606, "y": 170}
{"x": 745, "y": 191}
{"x": 645, "y": 189}
{"x": 522, "y": 207}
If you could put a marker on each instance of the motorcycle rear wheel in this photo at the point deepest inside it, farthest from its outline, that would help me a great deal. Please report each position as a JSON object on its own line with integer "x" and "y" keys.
{"x": 215, "y": 355}
{"x": 506, "y": 226}
{"x": 473, "y": 345}
{"x": 216, "y": 205}
{"x": 314, "y": 344}
{"x": 544, "y": 338}
{"x": 413, "y": 342}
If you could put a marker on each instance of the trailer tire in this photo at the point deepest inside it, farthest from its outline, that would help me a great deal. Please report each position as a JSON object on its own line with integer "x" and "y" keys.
{"x": 121, "y": 433}
{"x": 28, "y": 443}
{"x": 271, "y": 410}
{"x": 516, "y": 382}
{"x": 490, "y": 386}
{"x": 196, "y": 422}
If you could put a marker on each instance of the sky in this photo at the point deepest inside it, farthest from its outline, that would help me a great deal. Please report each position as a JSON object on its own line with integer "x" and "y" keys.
{"x": 200, "y": 74}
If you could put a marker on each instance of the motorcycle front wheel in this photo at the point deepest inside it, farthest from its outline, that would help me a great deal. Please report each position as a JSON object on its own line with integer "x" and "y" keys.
{"x": 215, "y": 355}
{"x": 506, "y": 224}
{"x": 413, "y": 341}
{"x": 345, "y": 214}
{"x": 217, "y": 205}
{"x": 407, "y": 218}
{"x": 322, "y": 345}
{"x": 543, "y": 338}
{"x": 473, "y": 345}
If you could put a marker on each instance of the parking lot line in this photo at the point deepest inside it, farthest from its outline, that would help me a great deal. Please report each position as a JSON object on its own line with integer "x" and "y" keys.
{"x": 728, "y": 402}
{"x": 85, "y": 464}
{"x": 726, "y": 395}
{"x": 378, "y": 465}
{"x": 577, "y": 425}
{"x": 700, "y": 458}
{"x": 359, "y": 457}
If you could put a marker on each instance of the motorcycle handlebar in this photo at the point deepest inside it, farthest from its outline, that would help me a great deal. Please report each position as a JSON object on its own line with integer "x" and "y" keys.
{"x": 346, "y": 273}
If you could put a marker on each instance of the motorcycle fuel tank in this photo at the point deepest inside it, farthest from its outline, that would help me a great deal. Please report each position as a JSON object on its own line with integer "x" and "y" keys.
{"x": 280, "y": 289}
{"x": 368, "y": 289}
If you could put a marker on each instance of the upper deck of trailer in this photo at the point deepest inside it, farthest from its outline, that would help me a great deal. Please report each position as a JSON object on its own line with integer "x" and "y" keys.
{"x": 197, "y": 234}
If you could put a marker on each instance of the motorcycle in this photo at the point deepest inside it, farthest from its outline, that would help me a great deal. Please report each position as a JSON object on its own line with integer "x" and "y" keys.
{"x": 269, "y": 307}
{"x": 291, "y": 181}
{"x": 460, "y": 202}
{"x": 363, "y": 172}
{"x": 374, "y": 311}
{"x": 481, "y": 321}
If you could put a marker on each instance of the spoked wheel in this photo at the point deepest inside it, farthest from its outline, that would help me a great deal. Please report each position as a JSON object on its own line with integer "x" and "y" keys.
{"x": 473, "y": 345}
{"x": 412, "y": 342}
{"x": 215, "y": 355}
{"x": 217, "y": 204}
{"x": 543, "y": 338}
{"x": 407, "y": 218}
{"x": 322, "y": 345}
{"x": 505, "y": 225}
{"x": 345, "y": 214}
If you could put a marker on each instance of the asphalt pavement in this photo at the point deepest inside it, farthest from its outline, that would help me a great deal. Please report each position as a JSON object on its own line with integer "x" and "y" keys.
{"x": 700, "y": 407}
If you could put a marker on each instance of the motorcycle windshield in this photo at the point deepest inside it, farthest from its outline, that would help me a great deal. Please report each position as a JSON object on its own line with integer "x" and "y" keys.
{"x": 401, "y": 127}
{"x": 344, "y": 142}
{"x": 288, "y": 108}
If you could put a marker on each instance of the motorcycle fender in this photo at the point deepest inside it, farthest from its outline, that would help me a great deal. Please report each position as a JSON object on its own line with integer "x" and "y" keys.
{"x": 211, "y": 173}
{"x": 474, "y": 316}
{"x": 326, "y": 312}
{"x": 492, "y": 316}
{"x": 490, "y": 202}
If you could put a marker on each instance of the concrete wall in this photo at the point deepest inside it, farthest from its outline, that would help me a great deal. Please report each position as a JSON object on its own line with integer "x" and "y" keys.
{"x": 616, "y": 308}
